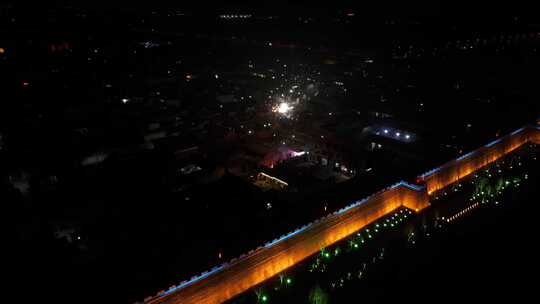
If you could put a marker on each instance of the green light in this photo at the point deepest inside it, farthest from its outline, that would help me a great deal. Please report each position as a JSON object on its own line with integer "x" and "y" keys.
{"x": 264, "y": 298}
{"x": 355, "y": 245}
{"x": 289, "y": 281}
{"x": 327, "y": 255}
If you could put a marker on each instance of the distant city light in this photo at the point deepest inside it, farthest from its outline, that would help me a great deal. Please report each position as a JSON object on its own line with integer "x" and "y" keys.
{"x": 398, "y": 134}
{"x": 407, "y": 136}
{"x": 385, "y": 131}
{"x": 235, "y": 16}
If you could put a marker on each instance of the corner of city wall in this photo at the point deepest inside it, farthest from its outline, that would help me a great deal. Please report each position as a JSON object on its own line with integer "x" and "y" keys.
{"x": 413, "y": 197}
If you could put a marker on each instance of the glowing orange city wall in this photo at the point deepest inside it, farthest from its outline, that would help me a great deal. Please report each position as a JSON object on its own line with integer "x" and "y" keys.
{"x": 454, "y": 170}
{"x": 266, "y": 262}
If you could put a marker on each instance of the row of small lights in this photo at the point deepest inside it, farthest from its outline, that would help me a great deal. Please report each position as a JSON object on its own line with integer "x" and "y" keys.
{"x": 482, "y": 195}
{"x": 398, "y": 134}
{"x": 475, "y": 205}
{"x": 358, "y": 239}
{"x": 235, "y": 16}
{"x": 462, "y": 212}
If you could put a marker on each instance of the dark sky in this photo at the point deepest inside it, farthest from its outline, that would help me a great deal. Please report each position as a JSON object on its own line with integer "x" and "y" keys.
{"x": 406, "y": 8}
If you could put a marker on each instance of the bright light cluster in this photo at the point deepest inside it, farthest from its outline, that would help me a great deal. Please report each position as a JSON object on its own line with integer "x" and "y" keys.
{"x": 283, "y": 108}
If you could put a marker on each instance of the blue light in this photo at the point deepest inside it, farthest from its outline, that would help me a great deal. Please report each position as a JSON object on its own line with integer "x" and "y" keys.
{"x": 351, "y": 206}
{"x": 286, "y": 236}
{"x": 431, "y": 171}
{"x": 202, "y": 276}
{"x": 517, "y": 131}
{"x": 411, "y": 186}
{"x": 466, "y": 155}
{"x": 493, "y": 142}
